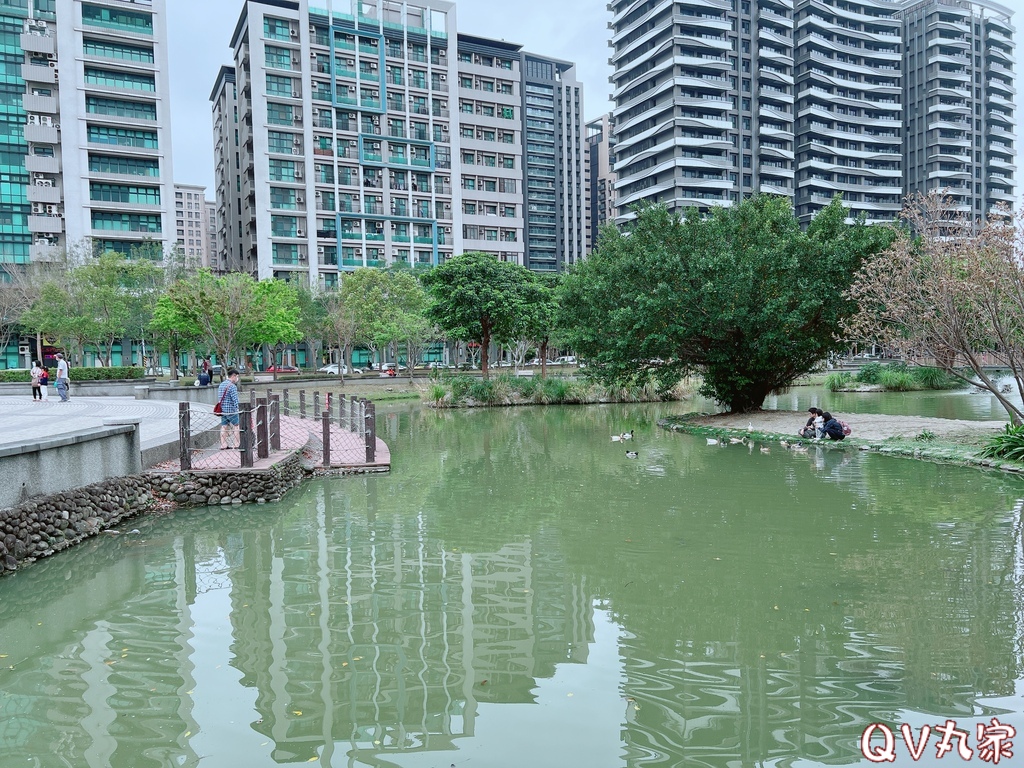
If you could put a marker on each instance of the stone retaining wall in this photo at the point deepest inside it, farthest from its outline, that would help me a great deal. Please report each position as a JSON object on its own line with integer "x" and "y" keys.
{"x": 48, "y": 524}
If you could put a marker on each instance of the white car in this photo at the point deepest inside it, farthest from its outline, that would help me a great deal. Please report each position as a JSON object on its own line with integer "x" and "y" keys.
{"x": 333, "y": 368}
{"x": 565, "y": 360}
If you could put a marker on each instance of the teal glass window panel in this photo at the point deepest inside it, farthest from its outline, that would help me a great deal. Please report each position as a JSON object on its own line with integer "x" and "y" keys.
{"x": 122, "y": 137}
{"x": 127, "y": 80}
{"x": 126, "y": 166}
{"x": 117, "y": 51}
{"x": 117, "y": 18}
{"x": 126, "y": 222}
{"x": 138, "y": 110}
{"x": 124, "y": 193}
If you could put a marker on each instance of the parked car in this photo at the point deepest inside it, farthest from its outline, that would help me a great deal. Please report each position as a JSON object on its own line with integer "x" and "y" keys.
{"x": 333, "y": 368}
{"x": 537, "y": 361}
{"x": 282, "y": 369}
{"x": 434, "y": 365}
{"x": 565, "y": 360}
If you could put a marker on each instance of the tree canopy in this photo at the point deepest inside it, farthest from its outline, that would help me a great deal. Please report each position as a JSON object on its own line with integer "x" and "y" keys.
{"x": 477, "y": 298}
{"x": 742, "y": 296}
{"x": 951, "y": 293}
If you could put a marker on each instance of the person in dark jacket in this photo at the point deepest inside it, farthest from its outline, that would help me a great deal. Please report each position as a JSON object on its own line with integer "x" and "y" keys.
{"x": 833, "y": 430}
{"x": 808, "y": 429}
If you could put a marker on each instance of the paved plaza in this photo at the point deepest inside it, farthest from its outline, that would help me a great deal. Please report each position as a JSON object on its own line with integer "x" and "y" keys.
{"x": 22, "y": 419}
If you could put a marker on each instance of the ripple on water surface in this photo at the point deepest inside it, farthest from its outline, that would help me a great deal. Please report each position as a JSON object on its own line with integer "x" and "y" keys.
{"x": 519, "y": 591}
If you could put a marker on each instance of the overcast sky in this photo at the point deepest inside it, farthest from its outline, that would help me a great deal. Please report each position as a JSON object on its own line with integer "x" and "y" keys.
{"x": 200, "y": 30}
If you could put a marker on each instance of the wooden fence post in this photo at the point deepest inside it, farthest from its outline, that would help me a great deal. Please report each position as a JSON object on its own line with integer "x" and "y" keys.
{"x": 275, "y": 422}
{"x": 302, "y": 403}
{"x": 371, "y": 433}
{"x": 262, "y": 433}
{"x": 245, "y": 433}
{"x": 185, "y": 436}
{"x": 326, "y": 418}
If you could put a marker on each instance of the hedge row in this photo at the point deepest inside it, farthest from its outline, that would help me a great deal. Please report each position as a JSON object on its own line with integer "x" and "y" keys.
{"x": 80, "y": 374}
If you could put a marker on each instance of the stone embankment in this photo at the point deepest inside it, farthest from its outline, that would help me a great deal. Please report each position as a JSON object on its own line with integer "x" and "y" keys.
{"x": 47, "y": 524}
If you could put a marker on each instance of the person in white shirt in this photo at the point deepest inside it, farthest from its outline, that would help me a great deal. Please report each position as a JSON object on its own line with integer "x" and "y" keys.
{"x": 63, "y": 379}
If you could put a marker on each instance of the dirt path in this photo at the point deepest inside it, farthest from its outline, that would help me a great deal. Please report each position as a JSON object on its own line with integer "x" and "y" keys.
{"x": 866, "y": 426}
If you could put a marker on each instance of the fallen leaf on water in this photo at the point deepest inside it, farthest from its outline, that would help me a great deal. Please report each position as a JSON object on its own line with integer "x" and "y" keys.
{"x": 775, "y": 608}
{"x": 569, "y": 695}
{"x": 296, "y": 711}
{"x": 357, "y": 658}
{"x": 3, "y": 655}
{"x": 344, "y": 663}
{"x": 718, "y": 558}
{"x": 312, "y": 759}
{"x": 187, "y": 734}
{"x": 110, "y": 663}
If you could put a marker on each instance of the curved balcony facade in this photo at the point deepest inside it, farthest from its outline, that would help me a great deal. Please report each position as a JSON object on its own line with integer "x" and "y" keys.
{"x": 849, "y": 108}
{"x": 960, "y": 124}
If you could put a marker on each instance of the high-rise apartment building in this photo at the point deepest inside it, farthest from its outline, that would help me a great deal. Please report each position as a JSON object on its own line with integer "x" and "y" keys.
{"x": 355, "y": 149}
{"x": 191, "y": 223}
{"x": 212, "y": 238}
{"x": 850, "y": 108}
{"x": 227, "y": 158}
{"x": 873, "y": 99}
{"x": 601, "y": 196}
{"x": 703, "y": 93}
{"x": 86, "y": 143}
{"x": 958, "y": 94}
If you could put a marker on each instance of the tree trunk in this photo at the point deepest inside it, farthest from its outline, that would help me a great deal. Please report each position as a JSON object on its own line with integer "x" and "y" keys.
{"x": 544, "y": 359}
{"x": 748, "y": 399}
{"x": 173, "y": 359}
{"x": 485, "y": 343}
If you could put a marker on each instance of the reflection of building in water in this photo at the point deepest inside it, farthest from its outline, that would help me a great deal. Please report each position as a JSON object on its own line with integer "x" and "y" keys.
{"x": 385, "y": 644}
{"x": 103, "y": 672}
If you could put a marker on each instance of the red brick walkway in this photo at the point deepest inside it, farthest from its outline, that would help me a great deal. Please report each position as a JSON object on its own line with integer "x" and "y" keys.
{"x": 348, "y": 450}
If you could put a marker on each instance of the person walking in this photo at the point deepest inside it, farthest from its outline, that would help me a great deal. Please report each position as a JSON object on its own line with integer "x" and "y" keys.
{"x": 63, "y": 378}
{"x": 227, "y": 399}
{"x": 44, "y": 383}
{"x": 36, "y": 373}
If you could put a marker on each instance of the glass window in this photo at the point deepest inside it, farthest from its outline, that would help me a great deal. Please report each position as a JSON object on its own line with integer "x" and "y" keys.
{"x": 137, "y": 110}
{"x": 279, "y": 86}
{"x": 282, "y": 170}
{"x": 277, "y": 29}
{"x": 130, "y": 81}
{"x": 279, "y": 114}
{"x": 115, "y": 51}
{"x": 127, "y": 166}
{"x": 123, "y": 137}
{"x": 115, "y": 18}
{"x": 126, "y": 222}
{"x": 124, "y": 193}
{"x": 278, "y": 58}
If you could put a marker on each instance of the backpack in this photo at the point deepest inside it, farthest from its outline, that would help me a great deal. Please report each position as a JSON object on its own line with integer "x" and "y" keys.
{"x": 845, "y": 426}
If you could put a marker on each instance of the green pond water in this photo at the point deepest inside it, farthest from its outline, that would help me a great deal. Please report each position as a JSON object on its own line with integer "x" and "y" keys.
{"x": 518, "y": 592}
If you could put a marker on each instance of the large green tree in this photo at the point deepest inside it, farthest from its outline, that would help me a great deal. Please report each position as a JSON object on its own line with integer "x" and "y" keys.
{"x": 741, "y": 296}
{"x": 477, "y": 298}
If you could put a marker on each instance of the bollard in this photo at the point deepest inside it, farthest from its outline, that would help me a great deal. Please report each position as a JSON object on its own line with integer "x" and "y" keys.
{"x": 245, "y": 433}
{"x": 262, "y": 431}
{"x": 371, "y": 434}
{"x": 275, "y": 422}
{"x": 302, "y": 403}
{"x": 327, "y": 439}
{"x": 185, "y": 436}
{"x": 341, "y": 412}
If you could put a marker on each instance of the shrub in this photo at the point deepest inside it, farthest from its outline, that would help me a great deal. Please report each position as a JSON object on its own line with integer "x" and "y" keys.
{"x": 111, "y": 373}
{"x": 437, "y": 393}
{"x": 482, "y": 390}
{"x": 925, "y": 436}
{"x": 934, "y": 378}
{"x": 896, "y": 380}
{"x": 870, "y": 373}
{"x": 1009, "y": 445}
{"x": 837, "y": 381}
{"x": 551, "y": 391}
{"x": 460, "y": 387}
{"x": 526, "y": 386}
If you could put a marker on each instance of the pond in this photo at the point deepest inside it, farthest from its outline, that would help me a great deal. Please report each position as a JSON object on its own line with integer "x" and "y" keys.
{"x": 519, "y": 592}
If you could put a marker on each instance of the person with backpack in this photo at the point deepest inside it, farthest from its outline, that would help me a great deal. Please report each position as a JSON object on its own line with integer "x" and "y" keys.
{"x": 833, "y": 428}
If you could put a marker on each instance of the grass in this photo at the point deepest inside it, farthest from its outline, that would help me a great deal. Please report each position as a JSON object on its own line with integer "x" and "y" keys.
{"x": 835, "y": 382}
{"x": 506, "y": 389}
{"x": 1009, "y": 445}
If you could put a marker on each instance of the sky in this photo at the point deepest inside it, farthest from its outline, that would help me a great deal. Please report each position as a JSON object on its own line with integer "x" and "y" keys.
{"x": 199, "y": 32}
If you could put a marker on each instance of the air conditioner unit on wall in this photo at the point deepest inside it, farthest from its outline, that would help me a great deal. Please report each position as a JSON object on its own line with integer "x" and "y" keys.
{"x": 293, "y": 32}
